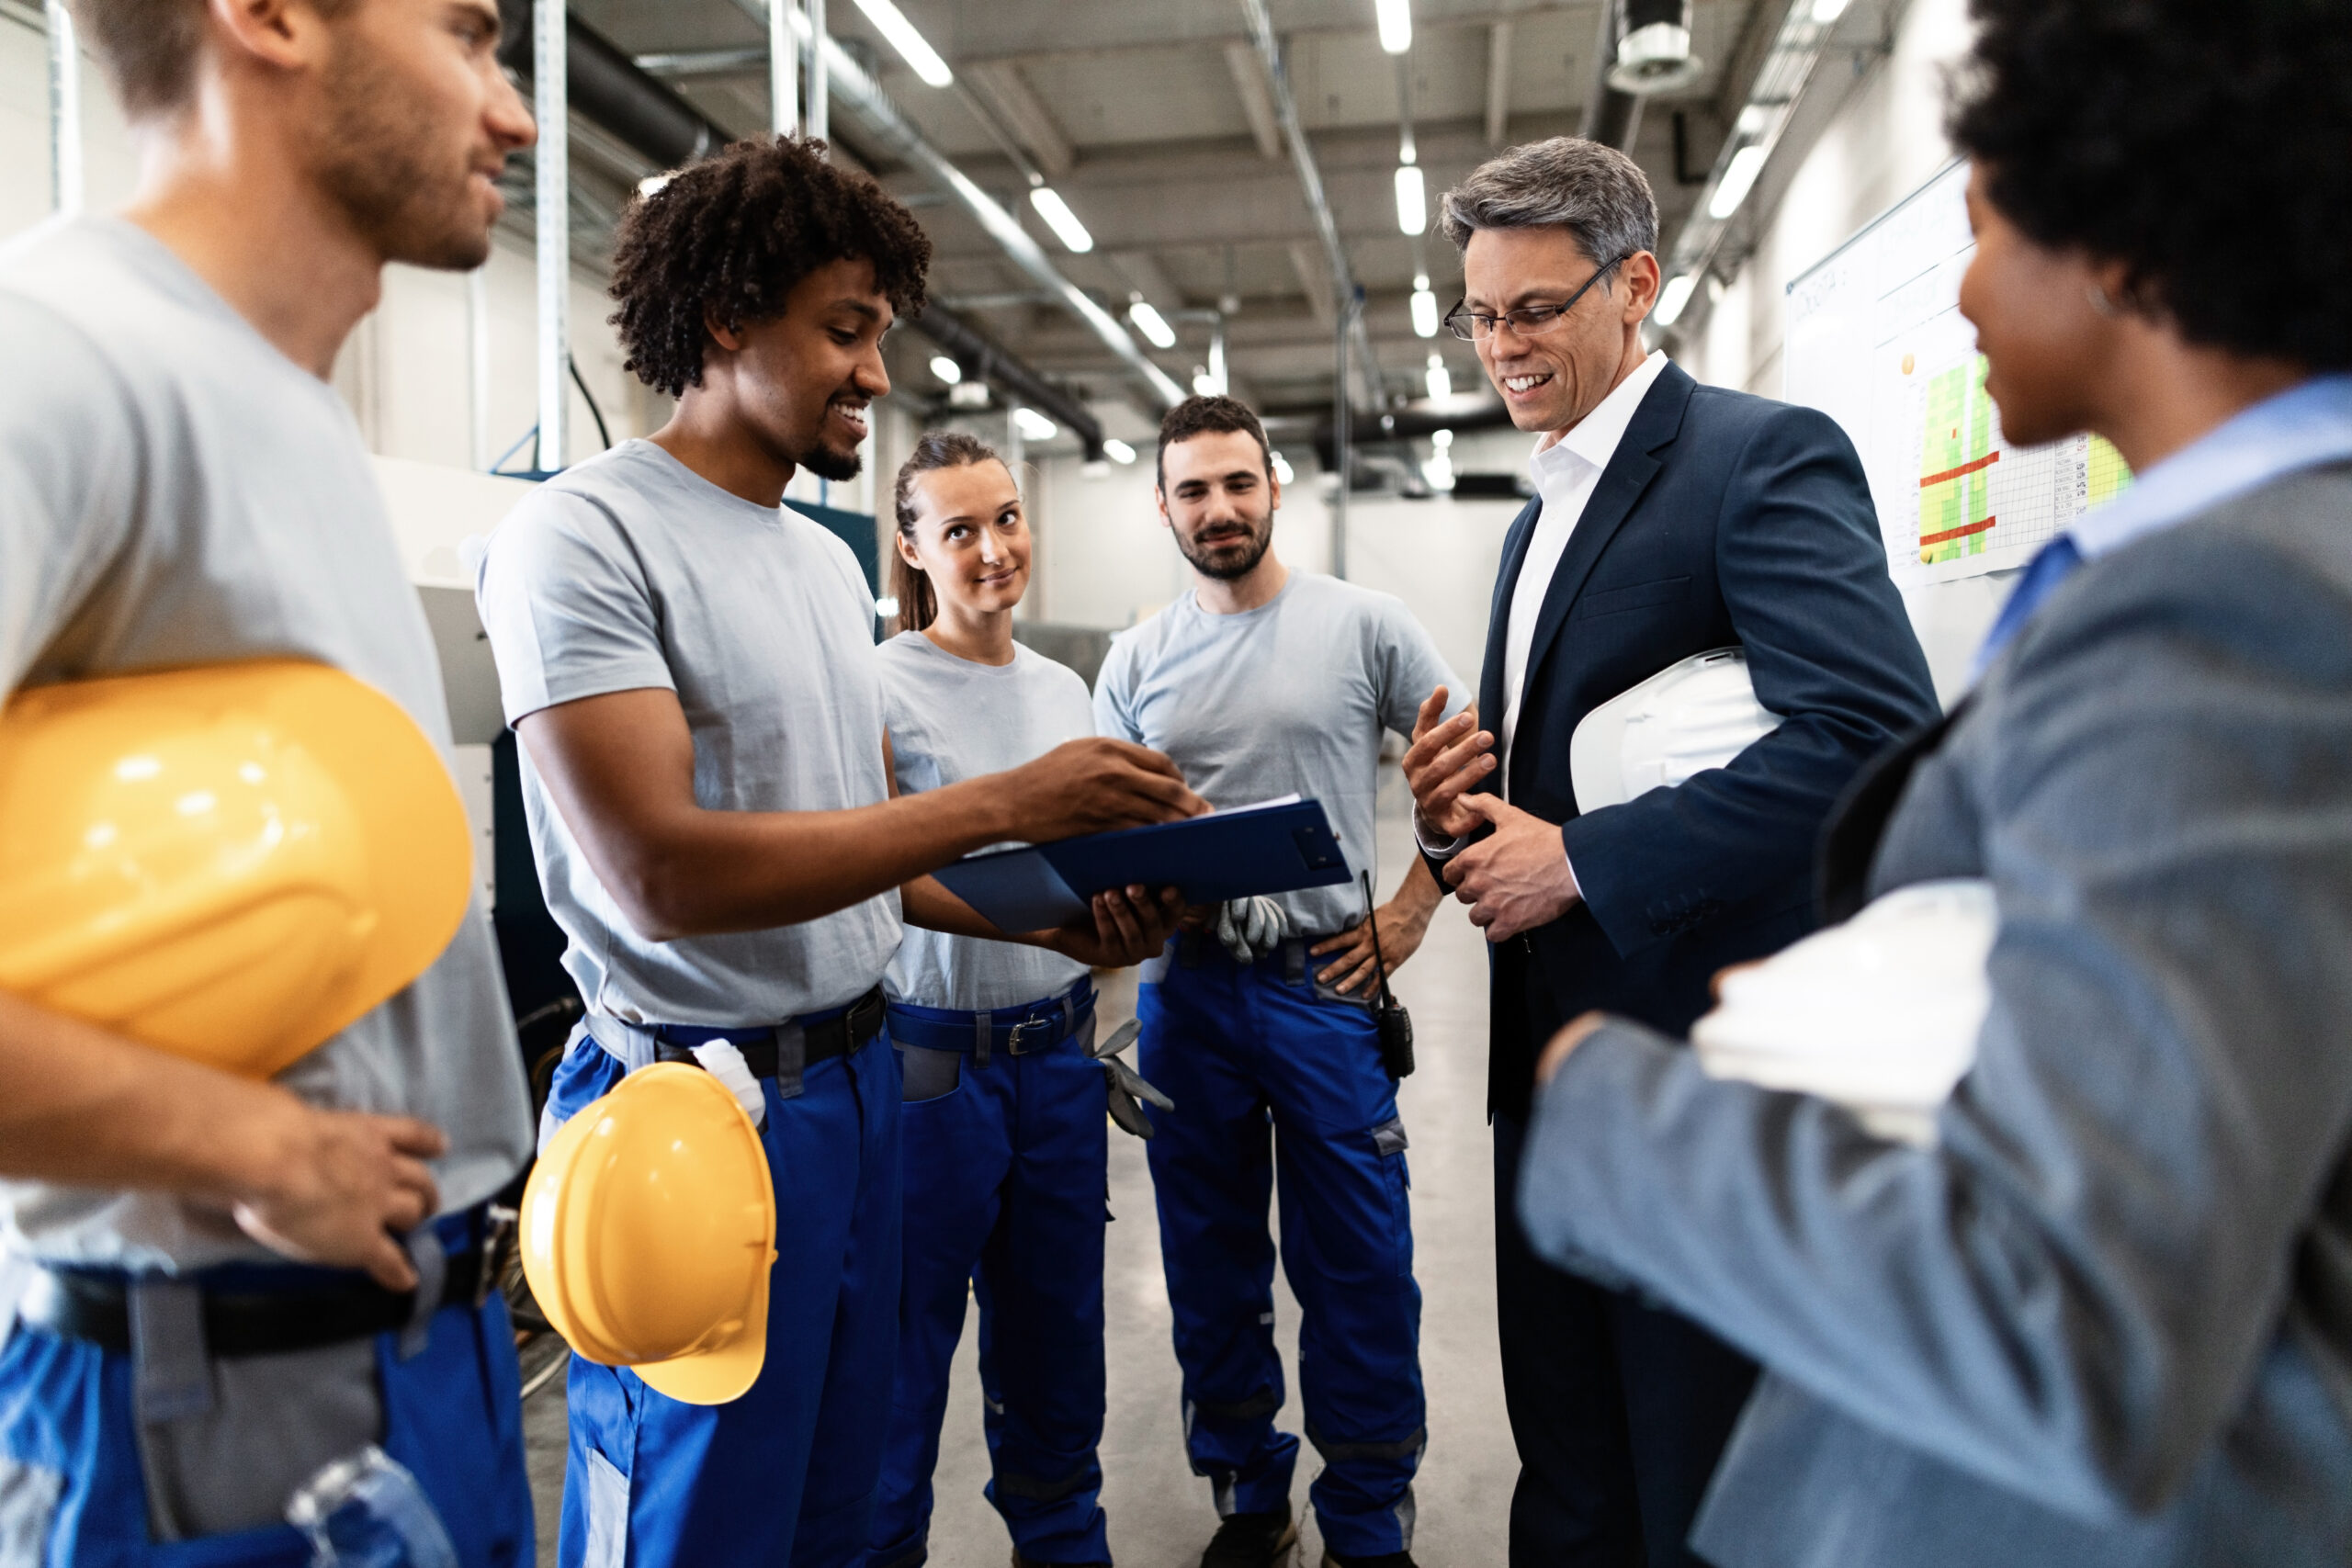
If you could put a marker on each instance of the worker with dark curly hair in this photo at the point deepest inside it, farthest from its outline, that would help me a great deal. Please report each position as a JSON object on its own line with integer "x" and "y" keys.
{"x": 690, "y": 668}
{"x": 2102, "y": 1316}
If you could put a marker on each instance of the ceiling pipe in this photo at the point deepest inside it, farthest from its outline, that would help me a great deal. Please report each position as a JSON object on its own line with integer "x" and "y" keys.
{"x": 1612, "y": 117}
{"x": 1344, "y": 288}
{"x": 611, "y": 90}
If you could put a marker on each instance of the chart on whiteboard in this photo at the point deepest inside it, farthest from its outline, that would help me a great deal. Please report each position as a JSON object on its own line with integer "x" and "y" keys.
{"x": 1876, "y": 341}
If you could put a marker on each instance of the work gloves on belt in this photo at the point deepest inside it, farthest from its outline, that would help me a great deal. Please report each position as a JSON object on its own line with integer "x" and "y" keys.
{"x": 1125, "y": 1086}
{"x": 1251, "y": 927}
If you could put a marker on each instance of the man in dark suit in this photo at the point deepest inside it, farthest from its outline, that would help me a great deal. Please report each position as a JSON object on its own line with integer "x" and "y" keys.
{"x": 1671, "y": 519}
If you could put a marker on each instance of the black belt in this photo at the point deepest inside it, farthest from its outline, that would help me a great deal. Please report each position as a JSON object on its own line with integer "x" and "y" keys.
{"x": 832, "y": 1034}
{"x": 85, "y": 1304}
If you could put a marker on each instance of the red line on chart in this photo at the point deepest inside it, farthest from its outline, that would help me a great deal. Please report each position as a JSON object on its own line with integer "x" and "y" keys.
{"x": 1950, "y": 534}
{"x": 1986, "y": 461}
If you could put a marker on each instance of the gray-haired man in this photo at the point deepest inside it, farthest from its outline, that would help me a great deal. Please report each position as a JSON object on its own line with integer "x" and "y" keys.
{"x": 1670, "y": 519}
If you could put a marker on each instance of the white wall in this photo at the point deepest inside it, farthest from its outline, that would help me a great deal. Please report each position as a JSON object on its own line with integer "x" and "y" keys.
{"x": 1871, "y": 146}
{"x": 1882, "y": 141}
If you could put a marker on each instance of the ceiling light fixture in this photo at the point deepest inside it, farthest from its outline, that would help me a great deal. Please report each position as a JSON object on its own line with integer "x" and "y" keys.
{"x": 892, "y": 24}
{"x": 1118, "y": 450}
{"x": 1061, "y": 220}
{"x": 1828, "y": 11}
{"x": 1034, "y": 426}
{"x": 1412, "y": 199}
{"x": 946, "y": 370}
{"x": 1395, "y": 24}
{"x": 1425, "y": 319}
{"x": 1151, "y": 323}
{"x": 1282, "y": 474}
{"x": 1441, "y": 383}
{"x": 1739, "y": 178}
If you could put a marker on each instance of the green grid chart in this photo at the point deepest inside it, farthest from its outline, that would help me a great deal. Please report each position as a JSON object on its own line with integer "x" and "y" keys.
{"x": 1956, "y": 458}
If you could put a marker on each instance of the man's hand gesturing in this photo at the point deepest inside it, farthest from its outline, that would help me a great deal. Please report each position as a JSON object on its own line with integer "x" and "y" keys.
{"x": 1443, "y": 761}
{"x": 1094, "y": 786}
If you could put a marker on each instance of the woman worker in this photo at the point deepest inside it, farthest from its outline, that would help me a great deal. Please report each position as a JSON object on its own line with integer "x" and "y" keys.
{"x": 1004, "y": 1128}
{"x": 2103, "y": 1320}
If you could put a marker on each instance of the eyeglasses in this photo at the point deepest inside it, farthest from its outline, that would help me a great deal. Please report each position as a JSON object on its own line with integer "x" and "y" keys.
{"x": 1528, "y": 320}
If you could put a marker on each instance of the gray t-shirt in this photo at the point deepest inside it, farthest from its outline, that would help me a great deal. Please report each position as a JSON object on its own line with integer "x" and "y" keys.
{"x": 952, "y": 719}
{"x": 629, "y": 572}
{"x": 1289, "y": 699}
{"x": 175, "y": 491}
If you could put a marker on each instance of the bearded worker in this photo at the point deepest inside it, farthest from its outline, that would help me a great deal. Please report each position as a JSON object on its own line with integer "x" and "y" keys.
{"x": 1264, "y": 682}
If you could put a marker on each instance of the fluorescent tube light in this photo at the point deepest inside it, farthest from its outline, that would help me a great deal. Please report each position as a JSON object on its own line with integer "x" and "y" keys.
{"x": 1739, "y": 178}
{"x": 1425, "y": 320}
{"x": 1207, "y": 386}
{"x": 1061, "y": 220}
{"x": 1673, "y": 298}
{"x": 892, "y": 24}
{"x": 1152, "y": 324}
{"x": 1282, "y": 474}
{"x": 1035, "y": 425}
{"x": 1412, "y": 199}
{"x": 1441, "y": 383}
{"x": 1828, "y": 11}
{"x": 946, "y": 370}
{"x": 1395, "y": 24}
{"x": 1118, "y": 450}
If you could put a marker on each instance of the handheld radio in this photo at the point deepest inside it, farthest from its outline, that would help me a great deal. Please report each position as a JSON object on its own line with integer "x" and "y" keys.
{"x": 1395, "y": 1023}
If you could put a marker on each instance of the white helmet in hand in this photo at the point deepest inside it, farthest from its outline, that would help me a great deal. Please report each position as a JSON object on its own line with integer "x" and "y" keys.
{"x": 1688, "y": 717}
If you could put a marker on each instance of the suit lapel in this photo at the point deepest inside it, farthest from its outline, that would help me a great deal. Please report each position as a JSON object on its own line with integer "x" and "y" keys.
{"x": 1490, "y": 677}
{"x": 1654, "y": 426}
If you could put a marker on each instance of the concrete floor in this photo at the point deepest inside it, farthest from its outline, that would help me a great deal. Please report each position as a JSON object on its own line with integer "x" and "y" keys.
{"x": 1161, "y": 1514}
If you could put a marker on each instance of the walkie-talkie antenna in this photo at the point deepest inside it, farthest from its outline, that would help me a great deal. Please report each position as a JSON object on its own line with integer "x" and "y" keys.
{"x": 1380, "y": 963}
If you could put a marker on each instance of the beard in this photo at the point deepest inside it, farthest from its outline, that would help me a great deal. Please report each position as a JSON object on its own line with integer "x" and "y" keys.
{"x": 829, "y": 462}
{"x": 1229, "y": 560}
{"x": 390, "y": 164}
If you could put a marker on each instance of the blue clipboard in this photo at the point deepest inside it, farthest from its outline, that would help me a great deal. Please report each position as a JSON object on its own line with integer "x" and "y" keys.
{"x": 1279, "y": 847}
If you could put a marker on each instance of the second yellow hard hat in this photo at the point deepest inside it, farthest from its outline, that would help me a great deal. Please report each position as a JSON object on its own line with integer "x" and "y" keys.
{"x": 229, "y": 863}
{"x": 647, "y": 1231}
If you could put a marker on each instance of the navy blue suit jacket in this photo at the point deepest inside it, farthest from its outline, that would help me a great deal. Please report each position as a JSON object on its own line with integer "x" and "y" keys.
{"x": 1723, "y": 518}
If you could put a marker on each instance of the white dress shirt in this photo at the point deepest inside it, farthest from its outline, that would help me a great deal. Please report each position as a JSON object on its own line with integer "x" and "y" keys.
{"x": 1567, "y": 466}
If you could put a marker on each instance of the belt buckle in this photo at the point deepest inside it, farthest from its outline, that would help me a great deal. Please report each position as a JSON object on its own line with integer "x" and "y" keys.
{"x": 499, "y": 1234}
{"x": 1044, "y": 1026}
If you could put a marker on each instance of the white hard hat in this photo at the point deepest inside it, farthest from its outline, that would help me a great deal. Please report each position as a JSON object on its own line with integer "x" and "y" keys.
{"x": 1688, "y": 717}
{"x": 1880, "y": 1014}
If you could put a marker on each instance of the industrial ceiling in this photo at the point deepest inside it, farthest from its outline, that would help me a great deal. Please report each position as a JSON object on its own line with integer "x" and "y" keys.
{"x": 1153, "y": 122}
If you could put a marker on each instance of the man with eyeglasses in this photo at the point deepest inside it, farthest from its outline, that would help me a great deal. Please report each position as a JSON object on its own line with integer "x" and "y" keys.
{"x": 1670, "y": 519}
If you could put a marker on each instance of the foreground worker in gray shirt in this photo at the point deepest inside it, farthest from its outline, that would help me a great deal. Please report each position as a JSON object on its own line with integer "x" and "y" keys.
{"x": 179, "y": 486}
{"x": 1264, "y": 682}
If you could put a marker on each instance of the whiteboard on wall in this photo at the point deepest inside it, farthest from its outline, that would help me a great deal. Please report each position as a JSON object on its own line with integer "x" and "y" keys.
{"x": 1876, "y": 341}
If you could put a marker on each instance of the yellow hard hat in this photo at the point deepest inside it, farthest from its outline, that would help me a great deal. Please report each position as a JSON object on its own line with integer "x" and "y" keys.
{"x": 649, "y": 1228}
{"x": 231, "y": 863}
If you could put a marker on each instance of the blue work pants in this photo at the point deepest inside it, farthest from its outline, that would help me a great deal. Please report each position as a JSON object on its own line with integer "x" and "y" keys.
{"x": 1005, "y": 1192}
{"x": 1271, "y": 1077}
{"x": 73, "y": 1489}
{"x": 784, "y": 1476}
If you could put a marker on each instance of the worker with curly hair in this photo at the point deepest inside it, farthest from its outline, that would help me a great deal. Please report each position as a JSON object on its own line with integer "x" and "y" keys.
{"x": 2103, "y": 1318}
{"x": 690, "y": 668}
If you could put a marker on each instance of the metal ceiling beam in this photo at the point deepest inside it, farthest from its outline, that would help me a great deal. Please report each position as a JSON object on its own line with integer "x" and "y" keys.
{"x": 1310, "y": 180}
{"x": 1498, "y": 81}
{"x": 1256, "y": 106}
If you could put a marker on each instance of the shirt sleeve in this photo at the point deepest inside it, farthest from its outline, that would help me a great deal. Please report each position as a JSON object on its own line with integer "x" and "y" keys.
{"x": 72, "y": 462}
{"x": 1114, "y": 699}
{"x": 566, "y": 605}
{"x": 1410, "y": 668}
